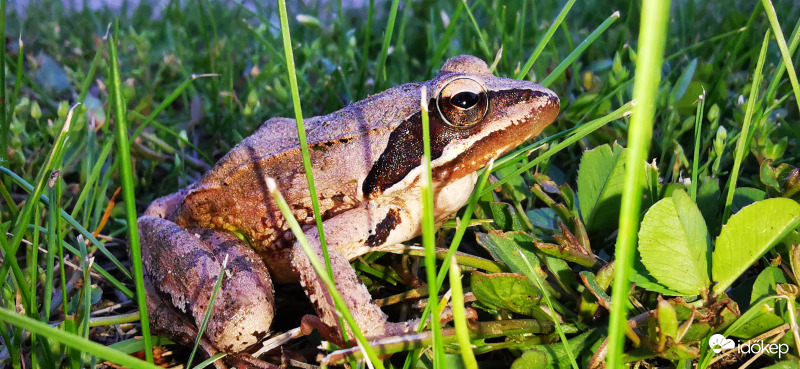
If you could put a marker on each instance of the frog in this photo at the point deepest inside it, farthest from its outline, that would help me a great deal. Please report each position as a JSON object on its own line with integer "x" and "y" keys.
{"x": 367, "y": 167}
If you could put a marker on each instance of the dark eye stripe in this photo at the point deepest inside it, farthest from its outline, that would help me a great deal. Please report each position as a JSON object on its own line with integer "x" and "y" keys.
{"x": 405, "y": 149}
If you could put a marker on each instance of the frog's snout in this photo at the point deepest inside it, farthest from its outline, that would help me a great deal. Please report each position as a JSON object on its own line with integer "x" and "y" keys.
{"x": 549, "y": 103}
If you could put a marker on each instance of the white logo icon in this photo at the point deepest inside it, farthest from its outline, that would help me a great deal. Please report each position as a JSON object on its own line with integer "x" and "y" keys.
{"x": 718, "y": 342}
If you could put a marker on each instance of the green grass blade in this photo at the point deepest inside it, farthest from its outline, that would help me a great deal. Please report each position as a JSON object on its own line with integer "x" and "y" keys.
{"x": 785, "y": 54}
{"x": 114, "y": 319}
{"x": 702, "y": 43}
{"x": 321, "y": 272}
{"x": 537, "y": 281}
{"x": 53, "y": 226}
{"x": 387, "y": 40}
{"x": 365, "y": 51}
{"x": 61, "y": 271}
{"x": 429, "y": 236}
{"x": 126, "y": 174}
{"x": 549, "y": 34}
{"x": 92, "y": 178}
{"x": 87, "y": 82}
{"x": 570, "y": 59}
{"x": 18, "y": 82}
{"x": 522, "y": 17}
{"x": 33, "y": 263}
{"x": 73, "y": 341}
{"x": 652, "y": 39}
{"x": 301, "y": 134}
{"x": 459, "y": 317}
{"x": 38, "y": 343}
{"x": 85, "y": 305}
{"x": 778, "y": 75}
{"x": 209, "y": 309}
{"x": 486, "y": 53}
{"x": 210, "y": 360}
{"x": 12, "y": 206}
{"x": 4, "y": 116}
{"x": 741, "y": 143}
{"x": 446, "y": 39}
{"x": 698, "y": 119}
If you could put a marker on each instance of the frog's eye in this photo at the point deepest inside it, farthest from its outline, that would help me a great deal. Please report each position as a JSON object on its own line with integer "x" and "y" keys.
{"x": 462, "y": 102}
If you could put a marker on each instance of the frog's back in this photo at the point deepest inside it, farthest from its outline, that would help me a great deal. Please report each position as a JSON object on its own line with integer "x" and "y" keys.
{"x": 343, "y": 146}
{"x": 277, "y": 137}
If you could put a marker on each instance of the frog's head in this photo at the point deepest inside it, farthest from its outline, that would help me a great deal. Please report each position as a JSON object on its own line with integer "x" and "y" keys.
{"x": 493, "y": 115}
{"x": 474, "y": 117}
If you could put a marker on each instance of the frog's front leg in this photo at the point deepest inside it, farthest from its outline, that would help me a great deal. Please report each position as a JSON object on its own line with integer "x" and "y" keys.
{"x": 352, "y": 233}
{"x": 181, "y": 267}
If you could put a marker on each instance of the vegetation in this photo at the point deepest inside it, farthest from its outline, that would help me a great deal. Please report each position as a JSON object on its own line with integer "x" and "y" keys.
{"x": 144, "y": 102}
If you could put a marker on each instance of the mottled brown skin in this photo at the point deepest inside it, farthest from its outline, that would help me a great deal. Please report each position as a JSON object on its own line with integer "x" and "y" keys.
{"x": 366, "y": 160}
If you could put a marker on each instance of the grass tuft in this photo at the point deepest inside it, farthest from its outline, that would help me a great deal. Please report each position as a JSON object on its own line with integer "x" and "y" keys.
{"x": 459, "y": 317}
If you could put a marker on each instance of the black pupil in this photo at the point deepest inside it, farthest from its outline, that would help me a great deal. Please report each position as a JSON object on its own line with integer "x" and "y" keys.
{"x": 465, "y": 100}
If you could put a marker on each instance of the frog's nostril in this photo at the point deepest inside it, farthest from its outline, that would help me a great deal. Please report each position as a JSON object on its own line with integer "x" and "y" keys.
{"x": 523, "y": 95}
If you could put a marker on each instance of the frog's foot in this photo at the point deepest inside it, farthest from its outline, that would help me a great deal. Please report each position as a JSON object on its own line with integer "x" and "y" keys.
{"x": 183, "y": 266}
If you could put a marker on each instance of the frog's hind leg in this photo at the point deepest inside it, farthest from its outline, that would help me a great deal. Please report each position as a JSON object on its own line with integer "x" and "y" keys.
{"x": 183, "y": 265}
